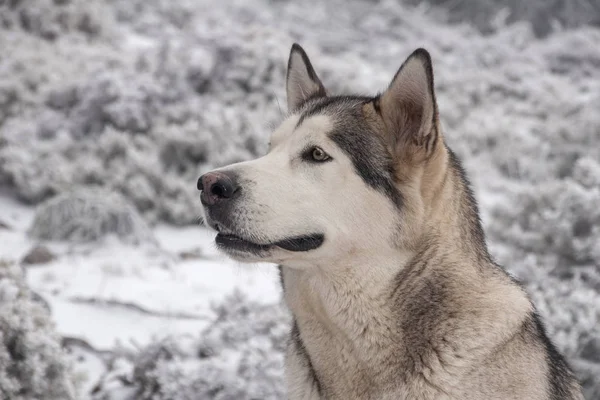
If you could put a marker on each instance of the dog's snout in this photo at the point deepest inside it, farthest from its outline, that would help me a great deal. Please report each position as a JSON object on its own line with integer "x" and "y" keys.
{"x": 216, "y": 186}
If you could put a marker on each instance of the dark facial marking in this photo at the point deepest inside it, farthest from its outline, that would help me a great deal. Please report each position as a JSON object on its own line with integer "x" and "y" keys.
{"x": 327, "y": 105}
{"x": 353, "y": 135}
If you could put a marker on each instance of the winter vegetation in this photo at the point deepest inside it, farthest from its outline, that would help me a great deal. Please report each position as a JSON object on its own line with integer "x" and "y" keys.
{"x": 110, "y": 110}
{"x": 89, "y": 215}
{"x": 33, "y": 365}
{"x": 239, "y": 356}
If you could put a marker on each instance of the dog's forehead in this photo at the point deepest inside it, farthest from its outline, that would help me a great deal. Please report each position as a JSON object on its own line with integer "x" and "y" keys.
{"x": 338, "y": 108}
{"x": 321, "y": 115}
{"x": 312, "y": 127}
{"x": 316, "y": 124}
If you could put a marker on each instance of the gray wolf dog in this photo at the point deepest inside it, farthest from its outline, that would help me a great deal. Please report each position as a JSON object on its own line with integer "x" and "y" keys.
{"x": 382, "y": 255}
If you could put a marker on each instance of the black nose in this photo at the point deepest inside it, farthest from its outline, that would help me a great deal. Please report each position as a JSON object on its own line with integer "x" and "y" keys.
{"x": 216, "y": 186}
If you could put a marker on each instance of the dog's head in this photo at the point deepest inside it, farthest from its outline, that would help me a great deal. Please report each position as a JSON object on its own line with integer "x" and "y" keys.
{"x": 344, "y": 175}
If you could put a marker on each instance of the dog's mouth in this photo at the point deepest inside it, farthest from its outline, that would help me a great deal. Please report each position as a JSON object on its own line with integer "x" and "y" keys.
{"x": 232, "y": 242}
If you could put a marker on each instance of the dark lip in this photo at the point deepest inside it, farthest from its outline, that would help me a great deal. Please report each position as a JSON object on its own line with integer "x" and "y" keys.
{"x": 232, "y": 242}
{"x": 229, "y": 242}
{"x": 302, "y": 243}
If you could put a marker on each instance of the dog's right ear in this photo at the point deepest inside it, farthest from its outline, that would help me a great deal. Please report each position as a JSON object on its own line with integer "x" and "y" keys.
{"x": 302, "y": 82}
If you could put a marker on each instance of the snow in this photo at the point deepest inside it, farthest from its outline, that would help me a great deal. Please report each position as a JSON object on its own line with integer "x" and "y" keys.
{"x": 32, "y": 363}
{"x": 108, "y": 326}
{"x": 142, "y": 293}
{"x": 87, "y": 367}
{"x": 141, "y": 97}
{"x": 118, "y": 295}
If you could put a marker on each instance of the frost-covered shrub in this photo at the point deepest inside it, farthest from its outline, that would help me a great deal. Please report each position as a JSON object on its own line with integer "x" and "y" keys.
{"x": 88, "y": 215}
{"x": 239, "y": 356}
{"x": 50, "y": 18}
{"x": 548, "y": 234}
{"x": 588, "y": 375}
{"x": 571, "y": 312}
{"x": 561, "y": 218}
{"x": 32, "y": 363}
{"x": 186, "y": 87}
{"x": 545, "y": 16}
{"x": 160, "y": 98}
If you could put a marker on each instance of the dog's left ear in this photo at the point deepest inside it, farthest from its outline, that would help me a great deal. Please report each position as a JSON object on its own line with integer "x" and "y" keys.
{"x": 302, "y": 82}
{"x": 408, "y": 106}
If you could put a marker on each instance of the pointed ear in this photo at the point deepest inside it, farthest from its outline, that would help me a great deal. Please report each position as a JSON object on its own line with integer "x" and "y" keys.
{"x": 408, "y": 106}
{"x": 302, "y": 82}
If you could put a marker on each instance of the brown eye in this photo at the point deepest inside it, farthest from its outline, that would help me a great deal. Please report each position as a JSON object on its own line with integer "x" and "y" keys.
{"x": 319, "y": 155}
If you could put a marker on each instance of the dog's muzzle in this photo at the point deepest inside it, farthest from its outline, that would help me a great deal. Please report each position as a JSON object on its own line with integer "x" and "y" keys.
{"x": 219, "y": 190}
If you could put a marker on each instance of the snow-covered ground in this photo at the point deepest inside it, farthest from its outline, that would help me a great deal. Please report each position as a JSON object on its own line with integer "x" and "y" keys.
{"x": 139, "y": 97}
{"x": 114, "y": 295}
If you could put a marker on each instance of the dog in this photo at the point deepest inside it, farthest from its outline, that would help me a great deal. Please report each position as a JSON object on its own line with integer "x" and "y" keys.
{"x": 382, "y": 255}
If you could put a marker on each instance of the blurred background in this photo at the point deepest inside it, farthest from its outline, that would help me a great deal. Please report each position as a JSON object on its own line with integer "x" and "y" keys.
{"x": 110, "y": 111}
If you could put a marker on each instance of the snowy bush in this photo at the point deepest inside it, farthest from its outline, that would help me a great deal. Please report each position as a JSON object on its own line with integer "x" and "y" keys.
{"x": 239, "y": 356}
{"x": 162, "y": 91}
{"x": 559, "y": 218}
{"x": 141, "y": 116}
{"x": 88, "y": 215}
{"x": 50, "y": 18}
{"x": 545, "y": 16}
{"x": 32, "y": 363}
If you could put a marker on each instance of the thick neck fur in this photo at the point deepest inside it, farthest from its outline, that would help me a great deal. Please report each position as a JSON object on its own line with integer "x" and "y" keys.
{"x": 375, "y": 314}
{"x": 448, "y": 222}
{"x": 450, "y": 213}
{"x": 330, "y": 294}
